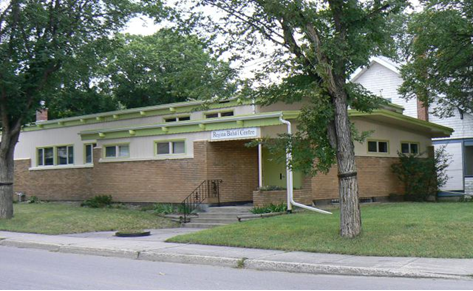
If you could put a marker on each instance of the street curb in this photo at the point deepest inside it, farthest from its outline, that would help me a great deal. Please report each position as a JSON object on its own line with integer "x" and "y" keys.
{"x": 241, "y": 263}
{"x": 321, "y": 269}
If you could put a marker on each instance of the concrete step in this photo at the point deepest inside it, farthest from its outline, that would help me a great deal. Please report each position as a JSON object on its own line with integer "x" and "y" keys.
{"x": 203, "y": 225}
{"x": 220, "y": 215}
{"x": 214, "y": 220}
{"x": 229, "y": 209}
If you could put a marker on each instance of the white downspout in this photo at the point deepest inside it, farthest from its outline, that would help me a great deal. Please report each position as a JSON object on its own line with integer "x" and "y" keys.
{"x": 290, "y": 180}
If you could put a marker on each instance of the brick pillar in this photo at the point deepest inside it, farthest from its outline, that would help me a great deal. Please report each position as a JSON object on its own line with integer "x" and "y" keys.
{"x": 422, "y": 111}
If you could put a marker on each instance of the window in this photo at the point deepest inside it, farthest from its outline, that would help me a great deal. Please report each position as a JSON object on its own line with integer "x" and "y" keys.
{"x": 468, "y": 158}
{"x": 65, "y": 155}
{"x": 55, "y": 156}
{"x": 117, "y": 151}
{"x": 378, "y": 147}
{"x": 179, "y": 118}
{"x": 219, "y": 114}
{"x": 409, "y": 148}
{"x": 170, "y": 147}
{"x": 89, "y": 153}
{"x": 46, "y": 156}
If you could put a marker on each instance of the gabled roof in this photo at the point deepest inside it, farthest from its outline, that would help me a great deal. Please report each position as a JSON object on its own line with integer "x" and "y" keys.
{"x": 383, "y": 61}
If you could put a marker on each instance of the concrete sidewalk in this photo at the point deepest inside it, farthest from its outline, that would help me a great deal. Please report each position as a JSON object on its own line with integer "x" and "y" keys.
{"x": 153, "y": 248}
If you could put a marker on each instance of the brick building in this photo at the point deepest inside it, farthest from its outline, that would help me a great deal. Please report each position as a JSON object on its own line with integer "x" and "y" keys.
{"x": 162, "y": 153}
{"x": 382, "y": 77}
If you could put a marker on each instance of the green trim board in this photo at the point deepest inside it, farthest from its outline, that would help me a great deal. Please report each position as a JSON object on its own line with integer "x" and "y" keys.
{"x": 167, "y": 109}
{"x": 253, "y": 120}
{"x": 447, "y": 131}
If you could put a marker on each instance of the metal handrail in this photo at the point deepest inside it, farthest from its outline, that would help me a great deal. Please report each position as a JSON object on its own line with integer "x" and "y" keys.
{"x": 207, "y": 189}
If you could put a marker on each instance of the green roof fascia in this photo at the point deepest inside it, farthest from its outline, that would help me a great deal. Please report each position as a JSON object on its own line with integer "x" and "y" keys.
{"x": 395, "y": 107}
{"x": 167, "y": 109}
{"x": 242, "y": 121}
{"x": 405, "y": 118}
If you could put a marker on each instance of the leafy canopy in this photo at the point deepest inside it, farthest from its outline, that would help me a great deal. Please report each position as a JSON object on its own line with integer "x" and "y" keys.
{"x": 306, "y": 51}
{"x": 38, "y": 38}
{"x": 137, "y": 71}
{"x": 440, "y": 68}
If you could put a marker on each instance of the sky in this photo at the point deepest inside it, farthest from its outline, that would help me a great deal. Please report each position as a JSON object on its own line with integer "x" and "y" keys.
{"x": 145, "y": 26}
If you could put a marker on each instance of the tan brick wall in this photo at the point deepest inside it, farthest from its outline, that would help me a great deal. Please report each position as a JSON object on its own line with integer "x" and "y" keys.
{"x": 374, "y": 176}
{"x": 375, "y": 179}
{"x": 237, "y": 166}
{"x": 72, "y": 184}
{"x": 148, "y": 181}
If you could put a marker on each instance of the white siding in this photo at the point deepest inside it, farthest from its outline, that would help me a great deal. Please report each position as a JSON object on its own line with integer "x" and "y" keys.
{"x": 463, "y": 127}
{"x": 455, "y": 169}
{"x": 384, "y": 82}
{"x": 30, "y": 140}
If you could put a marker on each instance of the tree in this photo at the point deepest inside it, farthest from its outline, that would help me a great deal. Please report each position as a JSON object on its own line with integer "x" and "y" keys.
{"x": 130, "y": 71}
{"x": 169, "y": 66}
{"x": 440, "y": 66}
{"x": 38, "y": 38}
{"x": 316, "y": 46}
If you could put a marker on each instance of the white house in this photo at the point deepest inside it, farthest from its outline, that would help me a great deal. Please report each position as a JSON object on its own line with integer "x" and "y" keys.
{"x": 382, "y": 78}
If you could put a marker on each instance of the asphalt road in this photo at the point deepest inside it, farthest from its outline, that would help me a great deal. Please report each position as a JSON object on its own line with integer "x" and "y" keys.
{"x": 37, "y": 269}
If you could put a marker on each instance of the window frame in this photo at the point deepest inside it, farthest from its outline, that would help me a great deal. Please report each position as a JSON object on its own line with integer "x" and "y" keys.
{"x": 170, "y": 147}
{"x": 117, "y": 151}
{"x": 55, "y": 155}
{"x": 466, "y": 144}
{"x": 377, "y": 146}
{"x": 178, "y": 118}
{"x": 67, "y": 153}
{"x": 410, "y": 148}
{"x": 93, "y": 144}
{"x": 219, "y": 114}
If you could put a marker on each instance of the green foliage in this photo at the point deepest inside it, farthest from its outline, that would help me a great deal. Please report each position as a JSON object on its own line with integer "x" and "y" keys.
{"x": 33, "y": 199}
{"x": 271, "y": 208}
{"x": 131, "y": 71}
{"x": 41, "y": 38}
{"x": 271, "y": 188}
{"x": 168, "y": 208}
{"x": 99, "y": 201}
{"x": 422, "y": 177}
{"x": 316, "y": 46}
{"x": 169, "y": 66}
{"x": 440, "y": 56}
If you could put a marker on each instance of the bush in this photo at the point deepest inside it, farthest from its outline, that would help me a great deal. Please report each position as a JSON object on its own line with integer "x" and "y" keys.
{"x": 163, "y": 208}
{"x": 271, "y": 208}
{"x": 100, "y": 201}
{"x": 422, "y": 177}
{"x": 271, "y": 188}
{"x": 33, "y": 199}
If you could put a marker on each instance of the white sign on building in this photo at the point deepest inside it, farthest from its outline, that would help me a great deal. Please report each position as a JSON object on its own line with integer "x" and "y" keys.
{"x": 239, "y": 133}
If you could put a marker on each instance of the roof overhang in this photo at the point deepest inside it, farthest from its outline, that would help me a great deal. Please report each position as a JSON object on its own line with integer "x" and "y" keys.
{"x": 388, "y": 117}
{"x": 253, "y": 120}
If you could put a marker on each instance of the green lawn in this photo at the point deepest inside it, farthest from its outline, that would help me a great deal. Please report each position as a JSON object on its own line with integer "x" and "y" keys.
{"x": 440, "y": 230}
{"x": 54, "y": 218}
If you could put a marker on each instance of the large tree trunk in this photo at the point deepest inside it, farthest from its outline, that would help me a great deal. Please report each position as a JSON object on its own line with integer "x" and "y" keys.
{"x": 350, "y": 216}
{"x": 7, "y": 149}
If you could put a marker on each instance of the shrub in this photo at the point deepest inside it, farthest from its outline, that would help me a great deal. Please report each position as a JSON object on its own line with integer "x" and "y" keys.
{"x": 422, "y": 177}
{"x": 271, "y": 188}
{"x": 100, "y": 201}
{"x": 271, "y": 208}
{"x": 164, "y": 208}
{"x": 33, "y": 199}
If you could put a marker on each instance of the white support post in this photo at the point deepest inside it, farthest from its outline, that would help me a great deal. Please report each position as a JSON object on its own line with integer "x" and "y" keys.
{"x": 260, "y": 165}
